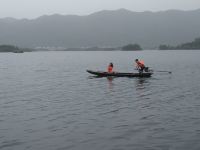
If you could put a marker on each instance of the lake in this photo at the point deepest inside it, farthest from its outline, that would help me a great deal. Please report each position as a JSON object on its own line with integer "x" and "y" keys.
{"x": 49, "y": 102}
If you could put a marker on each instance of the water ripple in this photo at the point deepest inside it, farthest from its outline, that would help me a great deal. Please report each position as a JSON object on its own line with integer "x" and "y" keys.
{"x": 48, "y": 101}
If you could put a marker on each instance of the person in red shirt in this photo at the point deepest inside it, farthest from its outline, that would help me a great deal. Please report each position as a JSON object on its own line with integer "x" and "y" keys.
{"x": 140, "y": 66}
{"x": 110, "y": 68}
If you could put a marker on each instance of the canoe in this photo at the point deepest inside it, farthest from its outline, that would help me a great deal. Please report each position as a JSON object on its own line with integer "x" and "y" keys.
{"x": 119, "y": 74}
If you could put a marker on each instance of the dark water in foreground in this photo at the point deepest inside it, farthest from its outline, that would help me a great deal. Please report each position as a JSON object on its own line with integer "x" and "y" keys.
{"x": 49, "y": 102}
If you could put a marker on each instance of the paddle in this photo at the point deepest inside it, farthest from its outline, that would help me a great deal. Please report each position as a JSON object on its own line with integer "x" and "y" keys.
{"x": 162, "y": 71}
{"x": 151, "y": 70}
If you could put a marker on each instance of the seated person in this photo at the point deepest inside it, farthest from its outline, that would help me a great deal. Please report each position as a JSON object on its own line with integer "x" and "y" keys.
{"x": 110, "y": 68}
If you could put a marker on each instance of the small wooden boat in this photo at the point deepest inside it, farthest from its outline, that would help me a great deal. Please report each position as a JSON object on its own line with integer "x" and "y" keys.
{"x": 119, "y": 74}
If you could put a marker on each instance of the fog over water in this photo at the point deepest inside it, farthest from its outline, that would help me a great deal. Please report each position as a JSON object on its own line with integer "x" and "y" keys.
{"x": 36, "y": 8}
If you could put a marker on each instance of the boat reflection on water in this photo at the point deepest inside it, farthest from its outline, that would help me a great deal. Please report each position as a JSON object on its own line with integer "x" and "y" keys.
{"x": 140, "y": 83}
{"x": 110, "y": 82}
{"x": 109, "y": 79}
{"x": 142, "y": 87}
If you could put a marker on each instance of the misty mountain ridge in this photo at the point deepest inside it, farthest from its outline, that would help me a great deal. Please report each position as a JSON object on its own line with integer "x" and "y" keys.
{"x": 107, "y": 28}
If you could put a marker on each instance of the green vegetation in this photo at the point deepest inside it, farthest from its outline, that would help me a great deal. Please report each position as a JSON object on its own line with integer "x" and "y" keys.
{"x": 131, "y": 47}
{"x": 14, "y": 49}
{"x": 8, "y": 48}
{"x": 187, "y": 46}
{"x": 165, "y": 47}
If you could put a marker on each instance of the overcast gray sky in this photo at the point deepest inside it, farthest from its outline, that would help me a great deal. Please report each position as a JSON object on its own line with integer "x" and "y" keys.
{"x": 36, "y": 8}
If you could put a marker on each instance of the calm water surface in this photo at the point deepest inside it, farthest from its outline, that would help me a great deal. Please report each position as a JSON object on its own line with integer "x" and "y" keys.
{"x": 49, "y": 102}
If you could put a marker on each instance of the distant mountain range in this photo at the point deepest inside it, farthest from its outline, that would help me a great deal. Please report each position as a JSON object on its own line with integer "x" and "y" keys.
{"x": 103, "y": 29}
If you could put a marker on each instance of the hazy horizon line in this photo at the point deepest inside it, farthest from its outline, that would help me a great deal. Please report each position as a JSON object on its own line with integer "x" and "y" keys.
{"x": 111, "y": 10}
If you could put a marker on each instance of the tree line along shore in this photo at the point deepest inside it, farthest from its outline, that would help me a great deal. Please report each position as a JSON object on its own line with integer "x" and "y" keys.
{"x": 194, "y": 45}
{"x": 16, "y": 49}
